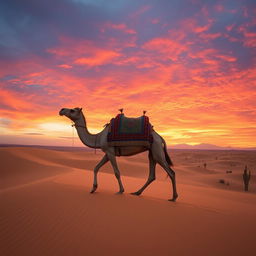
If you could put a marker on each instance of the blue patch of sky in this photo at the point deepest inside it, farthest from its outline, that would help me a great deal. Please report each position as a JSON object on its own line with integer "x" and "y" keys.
{"x": 8, "y": 77}
{"x": 112, "y": 5}
{"x": 244, "y": 55}
{"x": 34, "y": 26}
{"x": 5, "y": 121}
{"x": 23, "y": 88}
{"x": 6, "y": 107}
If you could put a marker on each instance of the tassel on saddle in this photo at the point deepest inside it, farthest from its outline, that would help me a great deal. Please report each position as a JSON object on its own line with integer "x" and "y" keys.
{"x": 122, "y": 110}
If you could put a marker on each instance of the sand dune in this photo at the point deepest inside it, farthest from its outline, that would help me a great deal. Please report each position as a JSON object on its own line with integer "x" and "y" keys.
{"x": 46, "y": 207}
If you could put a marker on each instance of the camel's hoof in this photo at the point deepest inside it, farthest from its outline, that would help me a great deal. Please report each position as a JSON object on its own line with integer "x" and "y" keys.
{"x": 173, "y": 199}
{"x": 135, "y": 193}
{"x": 119, "y": 192}
{"x": 93, "y": 189}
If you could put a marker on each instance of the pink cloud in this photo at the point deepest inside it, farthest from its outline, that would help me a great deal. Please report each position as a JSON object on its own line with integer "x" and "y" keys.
{"x": 219, "y": 7}
{"x": 140, "y": 11}
{"x": 250, "y": 39}
{"x": 230, "y": 27}
{"x": 83, "y": 52}
{"x": 65, "y": 66}
{"x": 155, "y": 21}
{"x": 121, "y": 27}
{"x": 249, "y": 36}
{"x": 99, "y": 57}
{"x": 209, "y": 36}
{"x": 203, "y": 53}
{"x": 191, "y": 25}
{"x": 226, "y": 58}
{"x": 201, "y": 29}
{"x": 170, "y": 48}
{"x": 13, "y": 100}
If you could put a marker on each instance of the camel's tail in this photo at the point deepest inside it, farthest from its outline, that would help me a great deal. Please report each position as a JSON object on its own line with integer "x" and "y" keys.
{"x": 167, "y": 157}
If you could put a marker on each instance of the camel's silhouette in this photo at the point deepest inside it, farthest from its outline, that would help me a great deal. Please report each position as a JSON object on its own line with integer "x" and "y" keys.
{"x": 157, "y": 151}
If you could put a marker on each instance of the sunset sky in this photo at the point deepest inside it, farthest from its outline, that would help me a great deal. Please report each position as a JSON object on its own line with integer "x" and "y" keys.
{"x": 191, "y": 64}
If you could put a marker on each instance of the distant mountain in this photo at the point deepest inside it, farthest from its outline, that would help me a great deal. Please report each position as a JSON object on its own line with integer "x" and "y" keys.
{"x": 205, "y": 146}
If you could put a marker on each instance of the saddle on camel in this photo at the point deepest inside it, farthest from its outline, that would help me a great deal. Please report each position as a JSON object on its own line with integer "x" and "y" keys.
{"x": 126, "y": 131}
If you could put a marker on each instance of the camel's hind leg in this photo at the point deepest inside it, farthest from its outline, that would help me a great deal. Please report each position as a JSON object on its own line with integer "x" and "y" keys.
{"x": 171, "y": 174}
{"x": 159, "y": 156}
{"x": 151, "y": 177}
{"x": 96, "y": 169}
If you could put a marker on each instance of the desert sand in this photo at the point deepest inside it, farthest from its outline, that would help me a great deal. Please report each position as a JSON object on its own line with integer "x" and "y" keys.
{"x": 46, "y": 207}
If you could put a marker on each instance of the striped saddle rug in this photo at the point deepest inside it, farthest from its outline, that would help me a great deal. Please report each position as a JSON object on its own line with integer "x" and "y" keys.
{"x": 126, "y": 131}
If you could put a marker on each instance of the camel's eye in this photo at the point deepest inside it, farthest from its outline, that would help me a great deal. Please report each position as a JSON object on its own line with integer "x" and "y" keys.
{"x": 72, "y": 110}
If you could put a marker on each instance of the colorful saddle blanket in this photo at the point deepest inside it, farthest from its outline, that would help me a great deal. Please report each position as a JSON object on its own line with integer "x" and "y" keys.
{"x": 126, "y": 131}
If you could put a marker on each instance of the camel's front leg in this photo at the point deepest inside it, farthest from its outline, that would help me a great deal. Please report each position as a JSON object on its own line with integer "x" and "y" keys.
{"x": 151, "y": 177}
{"x": 112, "y": 159}
{"x": 96, "y": 169}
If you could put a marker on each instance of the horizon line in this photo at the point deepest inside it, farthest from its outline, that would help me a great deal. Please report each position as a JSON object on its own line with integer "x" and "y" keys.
{"x": 189, "y": 147}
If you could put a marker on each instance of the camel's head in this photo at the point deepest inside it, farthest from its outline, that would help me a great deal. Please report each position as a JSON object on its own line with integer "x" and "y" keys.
{"x": 72, "y": 113}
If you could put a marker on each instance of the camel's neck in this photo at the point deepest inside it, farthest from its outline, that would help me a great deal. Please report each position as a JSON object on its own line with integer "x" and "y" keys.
{"x": 90, "y": 140}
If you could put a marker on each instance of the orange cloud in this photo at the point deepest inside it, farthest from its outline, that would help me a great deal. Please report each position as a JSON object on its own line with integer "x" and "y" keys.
{"x": 65, "y": 66}
{"x": 170, "y": 48}
{"x": 99, "y": 57}
{"x": 227, "y": 58}
{"x": 83, "y": 52}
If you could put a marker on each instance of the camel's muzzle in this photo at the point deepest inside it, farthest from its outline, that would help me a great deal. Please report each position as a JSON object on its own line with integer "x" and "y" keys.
{"x": 61, "y": 112}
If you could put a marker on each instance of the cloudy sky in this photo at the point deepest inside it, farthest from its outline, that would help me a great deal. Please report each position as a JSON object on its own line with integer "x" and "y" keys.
{"x": 191, "y": 64}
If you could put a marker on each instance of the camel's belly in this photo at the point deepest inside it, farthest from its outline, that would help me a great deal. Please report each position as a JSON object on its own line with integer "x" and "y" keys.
{"x": 129, "y": 151}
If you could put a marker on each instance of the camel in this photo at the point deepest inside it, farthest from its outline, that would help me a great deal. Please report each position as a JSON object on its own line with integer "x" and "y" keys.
{"x": 157, "y": 152}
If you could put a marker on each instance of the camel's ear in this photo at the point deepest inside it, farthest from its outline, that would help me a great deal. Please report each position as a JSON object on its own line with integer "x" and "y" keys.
{"x": 80, "y": 109}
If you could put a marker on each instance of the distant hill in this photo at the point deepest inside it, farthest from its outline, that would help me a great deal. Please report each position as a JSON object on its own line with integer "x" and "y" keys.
{"x": 58, "y": 148}
{"x": 205, "y": 146}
